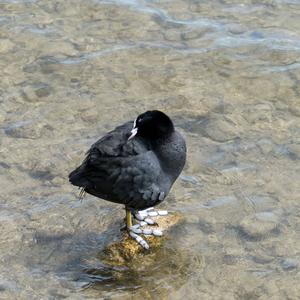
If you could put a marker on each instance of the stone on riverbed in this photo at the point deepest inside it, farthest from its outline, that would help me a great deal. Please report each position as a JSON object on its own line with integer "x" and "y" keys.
{"x": 260, "y": 225}
{"x": 127, "y": 249}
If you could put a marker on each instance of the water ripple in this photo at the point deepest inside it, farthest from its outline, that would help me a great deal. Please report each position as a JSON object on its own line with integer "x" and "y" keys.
{"x": 162, "y": 16}
{"x": 91, "y": 55}
{"x": 219, "y": 44}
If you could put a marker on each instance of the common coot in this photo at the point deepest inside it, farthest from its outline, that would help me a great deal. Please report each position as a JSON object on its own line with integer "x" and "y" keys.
{"x": 136, "y": 165}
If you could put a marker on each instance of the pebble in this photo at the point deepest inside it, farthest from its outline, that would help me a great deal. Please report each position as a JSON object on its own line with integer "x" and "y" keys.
{"x": 262, "y": 258}
{"x": 236, "y": 29}
{"x": 220, "y": 202}
{"x": 32, "y": 93}
{"x": 43, "y": 91}
{"x": 295, "y": 110}
{"x": 172, "y": 35}
{"x": 266, "y": 146}
{"x": 294, "y": 150}
{"x": 219, "y": 130}
{"x": 229, "y": 259}
{"x": 175, "y": 101}
{"x": 2, "y": 118}
{"x": 90, "y": 116}
{"x": 58, "y": 181}
{"x": 193, "y": 34}
{"x": 259, "y": 225}
{"x": 289, "y": 264}
{"x": 26, "y": 129}
{"x": 207, "y": 227}
{"x": 6, "y": 45}
{"x": 29, "y": 94}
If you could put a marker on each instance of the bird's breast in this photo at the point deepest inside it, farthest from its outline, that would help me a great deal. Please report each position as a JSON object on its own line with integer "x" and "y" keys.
{"x": 172, "y": 155}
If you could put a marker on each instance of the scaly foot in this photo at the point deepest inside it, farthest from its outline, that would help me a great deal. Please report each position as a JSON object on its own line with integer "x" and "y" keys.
{"x": 143, "y": 218}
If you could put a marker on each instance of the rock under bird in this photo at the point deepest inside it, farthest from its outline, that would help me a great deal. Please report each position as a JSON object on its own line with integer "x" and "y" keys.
{"x": 135, "y": 165}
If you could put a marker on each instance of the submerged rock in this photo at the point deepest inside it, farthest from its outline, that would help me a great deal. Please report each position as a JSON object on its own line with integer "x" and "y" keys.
{"x": 215, "y": 127}
{"x": 288, "y": 264}
{"x": 260, "y": 225}
{"x": 34, "y": 93}
{"x": 127, "y": 249}
{"x": 28, "y": 129}
{"x": 220, "y": 202}
{"x": 220, "y": 130}
{"x": 6, "y": 45}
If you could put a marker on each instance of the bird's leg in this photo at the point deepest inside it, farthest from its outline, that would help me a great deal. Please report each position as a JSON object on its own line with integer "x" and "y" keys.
{"x": 128, "y": 218}
{"x": 132, "y": 230}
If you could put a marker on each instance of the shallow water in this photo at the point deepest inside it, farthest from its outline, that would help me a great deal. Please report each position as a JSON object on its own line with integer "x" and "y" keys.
{"x": 227, "y": 73}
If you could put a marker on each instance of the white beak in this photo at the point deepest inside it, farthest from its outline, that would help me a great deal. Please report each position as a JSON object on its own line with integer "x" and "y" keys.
{"x": 133, "y": 133}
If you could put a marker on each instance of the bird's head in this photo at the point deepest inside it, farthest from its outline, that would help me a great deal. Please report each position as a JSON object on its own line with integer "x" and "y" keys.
{"x": 152, "y": 124}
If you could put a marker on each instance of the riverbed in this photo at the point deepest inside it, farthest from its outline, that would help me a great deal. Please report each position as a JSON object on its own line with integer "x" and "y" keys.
{"x": 226, "y": 72}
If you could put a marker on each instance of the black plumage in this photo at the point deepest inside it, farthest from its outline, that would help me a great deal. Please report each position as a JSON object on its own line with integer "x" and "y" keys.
{"x": 138, "y": 172}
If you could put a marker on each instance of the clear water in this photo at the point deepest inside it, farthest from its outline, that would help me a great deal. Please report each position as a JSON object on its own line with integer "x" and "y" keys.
{"x": 227, "y": 72}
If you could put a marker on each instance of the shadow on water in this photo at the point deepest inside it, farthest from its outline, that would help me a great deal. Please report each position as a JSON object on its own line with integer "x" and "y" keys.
{"x": 65, "y": 253}
{"x": 80, "y": 259}
{"x": 155, "y": 272}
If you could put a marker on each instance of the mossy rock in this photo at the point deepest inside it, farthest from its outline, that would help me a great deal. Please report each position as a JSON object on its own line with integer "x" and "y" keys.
{"x": 127, "y": 249}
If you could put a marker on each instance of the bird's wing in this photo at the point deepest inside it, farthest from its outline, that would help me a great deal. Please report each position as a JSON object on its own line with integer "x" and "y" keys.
{"x": 120, "y": 170}
{"x": 116, "y": 144}
{"x": 134, "y": 181}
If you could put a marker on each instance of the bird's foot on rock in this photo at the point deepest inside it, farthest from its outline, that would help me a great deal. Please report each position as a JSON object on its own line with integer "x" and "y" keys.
{"x": 144, "y": 216}
{"x": 136, "y": 230}
{"x": 139, "y": 239}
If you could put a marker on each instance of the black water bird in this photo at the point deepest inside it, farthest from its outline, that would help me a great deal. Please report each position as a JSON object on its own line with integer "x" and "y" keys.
{"x": 136, "y": 165}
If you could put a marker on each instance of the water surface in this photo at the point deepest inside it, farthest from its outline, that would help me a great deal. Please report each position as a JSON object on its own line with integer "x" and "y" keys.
{"x": 227, "y": 73}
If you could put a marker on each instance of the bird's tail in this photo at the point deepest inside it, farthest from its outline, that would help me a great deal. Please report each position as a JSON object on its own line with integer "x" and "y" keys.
{"x": 81, "y": 193}
{"x": 78, "y": 178}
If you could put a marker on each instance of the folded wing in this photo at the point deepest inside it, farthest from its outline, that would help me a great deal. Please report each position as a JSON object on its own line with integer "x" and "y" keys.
{"x": 121, "y": 171}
